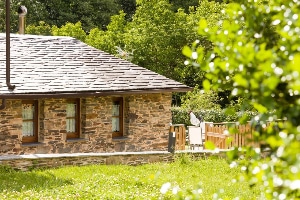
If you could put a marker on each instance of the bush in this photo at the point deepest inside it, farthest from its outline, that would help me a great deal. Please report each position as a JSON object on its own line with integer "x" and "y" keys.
{"x": 205, "y": 104}
{"x": 199, "y": 99}
{"x": 181, "y": 115}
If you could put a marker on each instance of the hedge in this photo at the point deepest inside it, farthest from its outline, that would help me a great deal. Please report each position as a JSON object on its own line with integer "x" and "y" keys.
{"x": 181, "y": 116}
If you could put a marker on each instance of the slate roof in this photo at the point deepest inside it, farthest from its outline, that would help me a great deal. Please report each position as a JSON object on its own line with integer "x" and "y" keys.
{"x": 56, "y": 65}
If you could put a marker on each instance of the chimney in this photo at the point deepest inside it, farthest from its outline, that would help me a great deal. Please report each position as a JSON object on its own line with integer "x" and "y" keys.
{"x": 22, "y": 10}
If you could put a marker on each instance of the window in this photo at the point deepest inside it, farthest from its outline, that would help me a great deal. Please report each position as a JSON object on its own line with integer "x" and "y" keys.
{"x": 73, "y": 118}
{"x": 117, "y": 117}
{"x": 30, "y": 121}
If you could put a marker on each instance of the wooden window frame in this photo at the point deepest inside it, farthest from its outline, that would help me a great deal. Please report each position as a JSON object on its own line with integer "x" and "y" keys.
{"x": 120, "y": 101}
{"x": 34, "y": 138}
{"x": 75, "y": 134}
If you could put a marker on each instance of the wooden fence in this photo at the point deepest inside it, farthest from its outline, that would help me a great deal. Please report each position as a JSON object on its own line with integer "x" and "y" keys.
{"x": 219, "y": 134}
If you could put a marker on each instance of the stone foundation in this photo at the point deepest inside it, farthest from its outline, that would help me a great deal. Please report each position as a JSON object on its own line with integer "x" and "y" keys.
{"x": 35, "y": 161}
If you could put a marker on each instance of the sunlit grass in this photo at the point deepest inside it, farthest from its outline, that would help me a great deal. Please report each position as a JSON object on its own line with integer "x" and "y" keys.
{"x": 212, "y": 176}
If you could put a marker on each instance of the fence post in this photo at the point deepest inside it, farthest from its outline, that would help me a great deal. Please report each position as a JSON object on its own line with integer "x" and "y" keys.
{"x": 172, "y": 142}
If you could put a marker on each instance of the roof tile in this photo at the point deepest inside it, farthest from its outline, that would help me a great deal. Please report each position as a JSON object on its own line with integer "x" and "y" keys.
{"x": 47, "y": 64}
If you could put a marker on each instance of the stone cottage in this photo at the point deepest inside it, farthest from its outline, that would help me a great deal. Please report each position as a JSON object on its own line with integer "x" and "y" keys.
{"x": 69, "y": 97}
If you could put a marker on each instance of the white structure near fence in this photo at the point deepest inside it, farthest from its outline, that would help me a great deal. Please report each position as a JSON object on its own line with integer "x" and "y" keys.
{"x": 196, "y": 136}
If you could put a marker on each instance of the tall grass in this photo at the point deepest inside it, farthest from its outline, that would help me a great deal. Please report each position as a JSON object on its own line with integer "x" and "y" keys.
{"x": 209, "y": 177}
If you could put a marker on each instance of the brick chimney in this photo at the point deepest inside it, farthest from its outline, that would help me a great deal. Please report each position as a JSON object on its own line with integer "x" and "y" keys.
{"x": 22, "y": 10}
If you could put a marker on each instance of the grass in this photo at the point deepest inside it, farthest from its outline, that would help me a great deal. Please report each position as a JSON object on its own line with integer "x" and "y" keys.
{"x": 207, "y": 178}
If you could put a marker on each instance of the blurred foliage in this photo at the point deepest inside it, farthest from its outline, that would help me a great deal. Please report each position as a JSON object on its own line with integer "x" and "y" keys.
{"x": 256, "y": 54}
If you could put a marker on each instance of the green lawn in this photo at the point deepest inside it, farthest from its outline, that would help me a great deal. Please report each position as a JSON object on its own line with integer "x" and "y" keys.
{"x": 210, "y": 178}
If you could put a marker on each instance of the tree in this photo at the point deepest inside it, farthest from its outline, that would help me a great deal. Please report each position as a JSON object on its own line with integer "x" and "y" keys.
{"x": 70, "y": 29}
{"x": 128, "y": 7}
{"x": 183, "y": 4}
{"x": 111, "y": 38}
{"x": 257, "y": 52}
{"x": 151, "y": 37}
{"x": 155, "y": 37}
{"x": 41, "y": 29}
{"x": 91, "y": 14}
{"x": 158, "y": 33}
{"x": 14, "y": 5}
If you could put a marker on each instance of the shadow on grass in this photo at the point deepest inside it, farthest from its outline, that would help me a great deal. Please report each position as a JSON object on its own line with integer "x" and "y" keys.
{"x": 11, "y": 180}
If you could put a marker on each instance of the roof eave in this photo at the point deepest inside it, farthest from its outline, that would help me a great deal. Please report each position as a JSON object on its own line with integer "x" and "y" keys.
{"x": 88, "y": 93}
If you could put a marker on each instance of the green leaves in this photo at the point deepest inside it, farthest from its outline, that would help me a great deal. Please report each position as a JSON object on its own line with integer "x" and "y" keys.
{"x": 240, "y": 80}
{"x": 260, "y": 108}
{"x": 199, "y": 99}
{"x": 187, "y": 51}
{"x": 41, "y": 29}
{"x": 202, "y": 25}
{"x": 209, "y": 145}
{"x": 206, "y": 85}
{"x": 257, "y": 62}
{"x": 70, "y": 29}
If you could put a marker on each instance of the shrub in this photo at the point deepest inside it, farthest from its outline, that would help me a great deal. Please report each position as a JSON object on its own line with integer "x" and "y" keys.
{"x": 198, "y": 100}
{"x": 181, "y": 115}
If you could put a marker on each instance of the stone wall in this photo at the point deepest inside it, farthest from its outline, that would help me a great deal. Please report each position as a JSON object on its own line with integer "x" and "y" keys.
{"x": 27, "y": 163}
{"x": 35, "y": 161}
{"x": 146, "y": 125}
{"x": 10, "y": 127}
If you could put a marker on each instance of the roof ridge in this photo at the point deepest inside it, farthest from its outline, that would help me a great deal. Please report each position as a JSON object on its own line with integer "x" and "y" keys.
{"x": 16, "y": 35}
